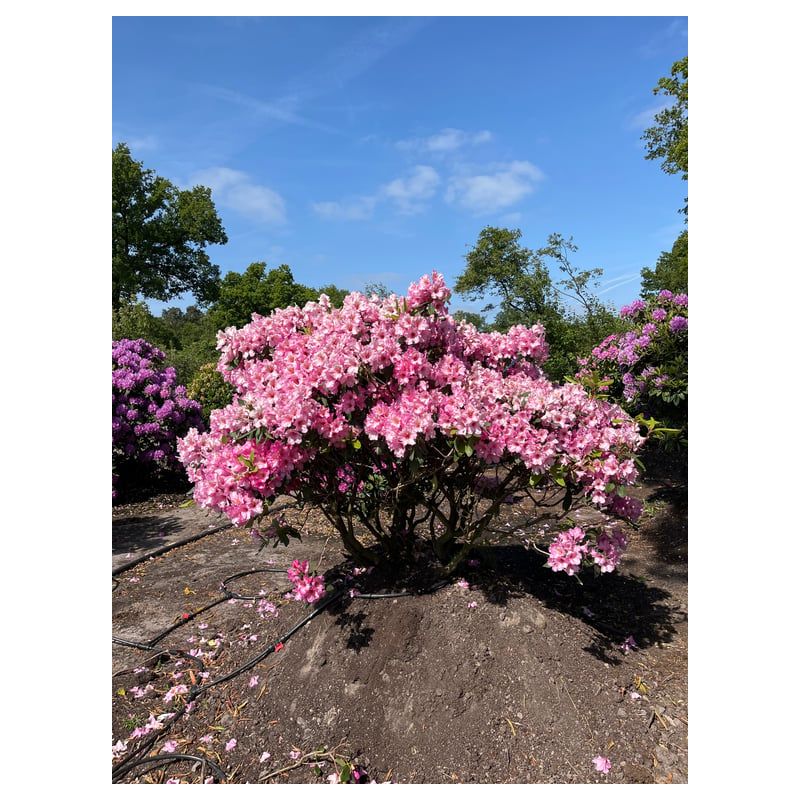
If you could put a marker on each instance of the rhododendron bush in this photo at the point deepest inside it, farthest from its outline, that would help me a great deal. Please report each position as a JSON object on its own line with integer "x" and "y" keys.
{"x": 149, "y": 412}
{"x": 404, "y": 426}
{"x": 645, "y": 369}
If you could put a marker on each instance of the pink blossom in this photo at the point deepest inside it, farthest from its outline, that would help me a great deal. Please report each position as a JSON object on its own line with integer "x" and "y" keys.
{"x": 229, "y": 745}
{"x": 253, "y": 681}
{"x": 628, "y": 645}
{"x": 567, "y": 550}
{"x": 170, "y": 746}
{"x": 295, "y": 755}
{"x": 174, "y": 691}
{"x": 264, "y": 756}
{"x": 601, "y": 764}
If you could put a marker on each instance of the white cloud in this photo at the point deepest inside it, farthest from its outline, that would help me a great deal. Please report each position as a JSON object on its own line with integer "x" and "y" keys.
{"x": 237, "y": 191}
{"x": 505, "y": 185}
{"x": 359, "y": 208}
{"x": 446, "y": 141}
{"x": 407, "y": 193}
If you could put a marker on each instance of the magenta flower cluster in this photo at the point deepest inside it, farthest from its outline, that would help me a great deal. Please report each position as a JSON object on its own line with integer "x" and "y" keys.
{"x": 149, "y": 412}
{"x": 645, "y": 367}
{"x": 570, "y": 549}
{"x": 344, "y": 402}
{"x": 307, "y": 587}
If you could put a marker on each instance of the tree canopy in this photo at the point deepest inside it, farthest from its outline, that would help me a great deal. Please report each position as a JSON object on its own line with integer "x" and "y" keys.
{"x": 668, "y": 139}
{"x": 499, "y": 266}
{"x": 256, "y": 290}
{"x": 671, "y": 270}
{"x": 159, "y": 235}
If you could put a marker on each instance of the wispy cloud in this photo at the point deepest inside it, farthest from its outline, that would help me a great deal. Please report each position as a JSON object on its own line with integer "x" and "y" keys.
{"x": 408, "y": 194}
{"x": 663, "y": 39}
{"x": 644, "y": 119}
{"x": 137, "y": 144}
{"x": 504, "y": 186}
{"x": 447, "y": 140}
{"x": 357, "y": 208}
{"x": 352, "y": 58}
{"x": 281, "y": 110}
{"x": 336, "y": 68}
{"x": 619, "y": 280}
{"x": 239, "y": 192}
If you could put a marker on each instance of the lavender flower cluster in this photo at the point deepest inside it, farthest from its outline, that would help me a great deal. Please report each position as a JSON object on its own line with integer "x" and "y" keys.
{"x": 645, "y": 368}
{"x": 149, "y": 413}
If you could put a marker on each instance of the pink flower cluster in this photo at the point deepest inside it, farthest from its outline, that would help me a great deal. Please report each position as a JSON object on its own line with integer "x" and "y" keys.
{"x": 569, "y": 548}
{"x": 320, "y": 390}
{"x": 309, "y": 588}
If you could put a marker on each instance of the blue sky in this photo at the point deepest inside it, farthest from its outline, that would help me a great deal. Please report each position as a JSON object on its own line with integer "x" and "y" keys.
{"x": 361, "y": 149}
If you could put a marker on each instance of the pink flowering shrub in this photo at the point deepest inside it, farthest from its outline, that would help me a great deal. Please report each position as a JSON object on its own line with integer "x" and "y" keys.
{"x": 149, "y": 412}
{"x": 645, "y": 370}
{"x": 400, "y": 423}
{"x": 569, "y": 551}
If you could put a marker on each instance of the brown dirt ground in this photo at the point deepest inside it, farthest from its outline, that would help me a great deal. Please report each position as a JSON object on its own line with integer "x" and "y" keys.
{"x": 526, "y": 686}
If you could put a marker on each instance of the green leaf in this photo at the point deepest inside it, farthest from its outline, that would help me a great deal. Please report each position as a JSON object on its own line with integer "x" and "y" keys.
{"x": 356, "y": 444}
{"x": 559, "y": 480}
{"x": 186, "y": 504}
{"x": 468, "y": 449}
{"x": 345, "y": 774}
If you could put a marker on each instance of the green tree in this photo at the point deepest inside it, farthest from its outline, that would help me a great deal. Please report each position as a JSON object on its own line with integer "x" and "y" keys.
{"x": 159, "y": 235}
{"x": 668, "y": 139}
{"x": 671, "y": 270}
{"x": 498, "y": 266}
{"x": 378, "y": 288}
{"x": 134, "y": 321}
{"x": 255, "y": 290}
{"x": 478, "y": 320}
{"x": 335, "y": 294}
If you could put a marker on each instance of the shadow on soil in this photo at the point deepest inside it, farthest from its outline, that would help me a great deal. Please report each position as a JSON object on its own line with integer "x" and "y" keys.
{"x": 614, "y": 606}
{"x": 140, "y": 533}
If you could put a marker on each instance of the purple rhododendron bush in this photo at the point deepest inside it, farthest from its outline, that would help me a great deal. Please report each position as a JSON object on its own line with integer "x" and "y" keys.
{"x": 645, "y": 369}
{"x": 408, "y": 428}
{"x": 149, "y": 413}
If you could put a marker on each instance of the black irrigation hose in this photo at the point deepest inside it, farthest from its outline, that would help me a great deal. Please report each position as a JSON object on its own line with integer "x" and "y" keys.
{"x": 167, "y": 547}
{"x": 156, "y": 761}
{"x": 188, "y": 540}
{"x": 405, "y": 593}
{"x": 131, "y": 762}
{"x": 151, "y": 643}
{"x": 235, "y": 595}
